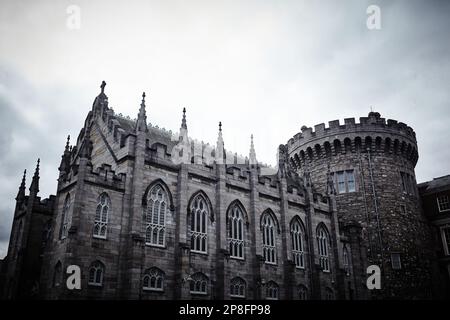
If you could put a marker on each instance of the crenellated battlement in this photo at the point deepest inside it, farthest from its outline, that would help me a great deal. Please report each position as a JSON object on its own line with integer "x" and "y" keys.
{"x": 372, "y": 133}
{"x": 373, "y": 122}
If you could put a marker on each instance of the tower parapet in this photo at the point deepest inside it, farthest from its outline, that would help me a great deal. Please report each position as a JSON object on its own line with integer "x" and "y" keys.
{"x": 372, "y": 132}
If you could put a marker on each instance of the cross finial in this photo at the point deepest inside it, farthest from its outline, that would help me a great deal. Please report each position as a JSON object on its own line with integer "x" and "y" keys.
{"x": 103, "y": 86}
{"x": 143, "y": 95}
{"x": 184, "y": 110}
{"x": 220, "y": 126}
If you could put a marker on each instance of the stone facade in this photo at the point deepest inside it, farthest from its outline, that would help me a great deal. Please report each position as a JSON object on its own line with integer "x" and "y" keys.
{"x": 322, "y": 240}
{"x": 372, "y": 164}
{"x": 435, "y": 196}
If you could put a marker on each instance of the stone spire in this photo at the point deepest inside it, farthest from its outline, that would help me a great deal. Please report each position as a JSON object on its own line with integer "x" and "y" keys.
{"x": 220, "y": 146}
{"x": 183, "y": 121}
{"x": 34, "y": 187}
{"x": 65, "y": 158}
{"x": 142, "y": 117}
{"x": 183, "y": 129}
{"x": 67, "y": 148}
{"x": 252, "y": 152}
{"x": 21, "y": 193}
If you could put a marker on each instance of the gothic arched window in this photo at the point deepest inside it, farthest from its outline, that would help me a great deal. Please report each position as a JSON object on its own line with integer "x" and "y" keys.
{"x": 236, "y": 232}
{"x": 199, "y": 284}
{"x": 322, "y": 243}
{"x": 155, "y": 216}
{"x": 302, "y": 292}
{"x": 102, "y": 216}
{"x": 65, "y": 218}
{"x": 199, "y": 223}
{"x": 237, "y": 288}
{"x": 268, "y": 239}
{"x": 96, "y": 271}
{"x": 298, "y": 243}
{"x": 272, "y": 291}
{"x": 153, "y": 279}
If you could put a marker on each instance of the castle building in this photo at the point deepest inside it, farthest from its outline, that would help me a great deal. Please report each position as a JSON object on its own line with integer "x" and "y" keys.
{"x": 147, "y": 214}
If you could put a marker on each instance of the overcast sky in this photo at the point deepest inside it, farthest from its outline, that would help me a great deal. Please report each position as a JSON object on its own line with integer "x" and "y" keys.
{"x": 261, "y": 67}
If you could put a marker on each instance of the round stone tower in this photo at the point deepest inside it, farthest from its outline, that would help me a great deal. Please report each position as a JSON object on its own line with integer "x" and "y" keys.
{"x": 372, "y": 166}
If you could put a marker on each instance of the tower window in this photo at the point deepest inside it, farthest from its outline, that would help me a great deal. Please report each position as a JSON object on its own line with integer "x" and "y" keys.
{"x": 345, "y": 181}
{"x": 396, "y": 261}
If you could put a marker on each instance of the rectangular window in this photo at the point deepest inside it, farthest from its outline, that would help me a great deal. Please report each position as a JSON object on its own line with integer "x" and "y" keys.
{"x": 350, "y": 181}
{"x": 345, "y": 181}
{"x": 341, "y": 182}
{"x": 396, "y": 261}
{"x": 443, "y": 203}
{"x": 404, "y": 185}
{"x": 445, "y": 233}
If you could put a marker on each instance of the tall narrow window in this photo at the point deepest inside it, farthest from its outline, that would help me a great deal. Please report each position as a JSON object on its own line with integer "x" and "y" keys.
{"x": 237, "y": 288}
{"x": 57, "y": 274}
{"x": 443, "y": 203}
{"x": 322, "y": 243}
{"x": 199, "y": 284}
{"x": 341, "y": 182}
{"x": 153, "y": 280}
{"x": 236, "y": 232}
{"x": 396, "y": 261}
{"x": 350, "y": 180}
{"x": 268, "y": 238}
{"x": 101, "y": 216}
{"x": 199, "y": 222}
{"x": 445, "y": 234}
{"x": 346, "y": 260}
{"x": 302, "y": 292}
{"x": 297, "y": 238}
{"x": 272, "y": 291}
{"x": 65, "y": 218}
{"x": 96, "y": 272}
{"x": 155, "y": 216}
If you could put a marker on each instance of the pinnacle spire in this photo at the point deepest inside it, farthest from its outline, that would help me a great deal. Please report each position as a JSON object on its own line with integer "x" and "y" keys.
{"x": 252, "y": 151}
{"x": 21, "y": 193}
{"x": 183, "y": 121}
{"x": 67, "y": 144}
{"x": 220, "y": 146}
{"x": 34, "y": 187}
{"x": 142, "y": 117}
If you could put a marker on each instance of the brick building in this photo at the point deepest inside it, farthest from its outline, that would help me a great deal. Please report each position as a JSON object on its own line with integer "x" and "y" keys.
{"x": 148, "y": 214}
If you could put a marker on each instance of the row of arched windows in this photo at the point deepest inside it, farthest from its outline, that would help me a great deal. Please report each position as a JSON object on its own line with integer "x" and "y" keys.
{"x": 155, "y": 211}
{"x": 154, "y": 280}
